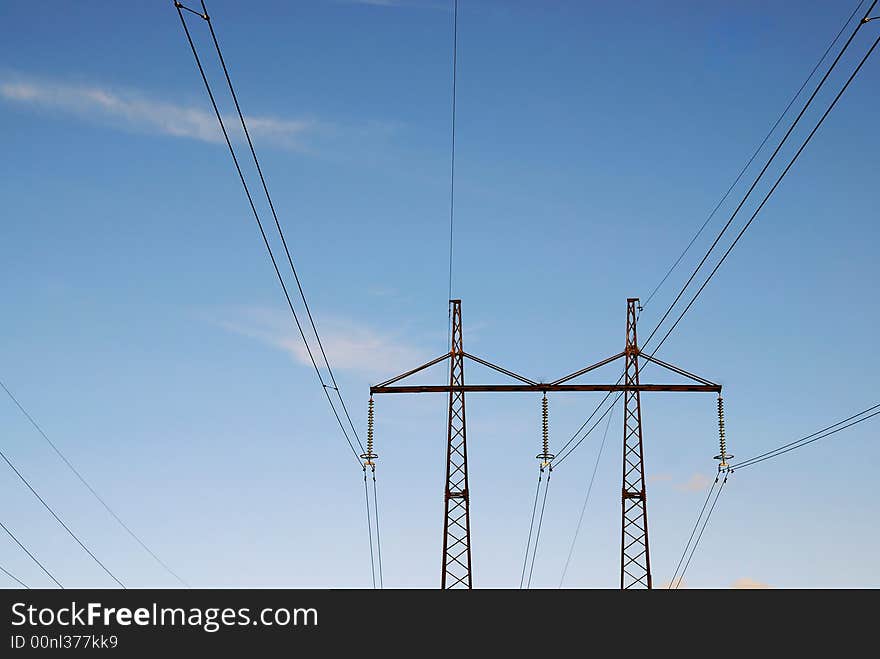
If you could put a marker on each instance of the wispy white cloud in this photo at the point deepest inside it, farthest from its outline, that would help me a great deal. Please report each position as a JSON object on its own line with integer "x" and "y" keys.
{"x": 137, "y": 111}
{"x": 695, "y": 483}
{"x": 349, "y": 345}
{"x": 748, "y": 583}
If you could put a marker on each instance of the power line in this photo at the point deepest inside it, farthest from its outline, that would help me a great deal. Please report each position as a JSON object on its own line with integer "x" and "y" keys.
{"x": 275, "y": 217}
{"x": 89, "y": 487}
{"x": 60, "y": 521}
{"x": 785, "y": 448}
{"x": 538, "y": 533}
{"x": 324, "y": 385}
{"x": 369, "y": 529}
{"x": 763, "y": 171}
{"x": 586, "y": 501}
{"x": 753, "y": 156}
{"x": 378, "y": 540}
{"x": 771, "y": 191}
{"x": 584, "y": 424}
{"x": 452, "y": 175}
{"x": 705, "y": 523}
{"x": 693, "y": 532}
{"x": 13, "y": 577}
{"x": 809, "y": 439}
{"x": 452, "y": 158}
{"x": 522, "y": 578}
{"x": 760, "y": 176}
{"x": 730, "y": 248}
{"x": 754, "y": 215}
{"x": 268, "y": 246}
{"x": 560, "y": 459}
{"x": 32, "y": 557}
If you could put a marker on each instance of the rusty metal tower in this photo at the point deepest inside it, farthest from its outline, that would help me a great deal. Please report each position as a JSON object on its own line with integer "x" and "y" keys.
{"x": 635, "y": 557}
{"x": 457, "y": 522}
{"x": 635, "y": 563}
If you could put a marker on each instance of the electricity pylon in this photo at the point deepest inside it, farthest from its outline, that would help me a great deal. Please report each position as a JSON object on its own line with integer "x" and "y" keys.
{"x": 635, "y": 558}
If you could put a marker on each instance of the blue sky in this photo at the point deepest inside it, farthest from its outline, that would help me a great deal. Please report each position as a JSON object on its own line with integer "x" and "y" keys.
{"x": 144, "y": 330}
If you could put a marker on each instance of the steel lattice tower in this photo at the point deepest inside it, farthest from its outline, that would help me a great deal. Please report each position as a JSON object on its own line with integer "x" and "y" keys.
{"x": 456, "y": 527}
{"x": 635, "y": 558}
{"x": 635, "y": 563}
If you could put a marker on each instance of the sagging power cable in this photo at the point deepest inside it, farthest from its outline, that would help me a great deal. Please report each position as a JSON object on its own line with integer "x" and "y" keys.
{"x": 452, "y": 175}
{"x": 30, "y": 555}
{"x": 702, "y": 529}
{"x": 764, "y": 169}
{"x": 452, "y": 146}
{"x": 324, "y": 385}
{"x": 532, "y": 548}
{"x": 545, "y": 463}
{"x": 564, "y": 454}
{"x": 753, "y": 156}
{"x": 378, "y": 539}
{"x": 369, "y": 529}
{"x": 88, "y": 486}
{"x": 60, "y": 521}
{"x": 13, "y": 577}
{"x": 522, "y": 578}
{"x": 834, "y": 428}
{"x": 538, "y": 532}
{"x": 693, "y": 532}
{"x": 586, "y": 501}
{"x": 333, "y": 384}
{"x": 768, "y": 195}
{"x": 866, "y": 18}
{"x": 299, "y": 287}
{"x": 828, "y": 431}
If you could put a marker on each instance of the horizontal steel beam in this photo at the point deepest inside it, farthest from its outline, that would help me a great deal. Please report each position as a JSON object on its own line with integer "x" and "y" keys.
{"x": 541, "y": 388}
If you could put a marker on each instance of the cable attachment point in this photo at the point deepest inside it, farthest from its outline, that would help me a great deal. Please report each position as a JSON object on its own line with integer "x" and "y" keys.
{"x": 369, "y": 456}
{"x": 180, "y": 5}
{"x": 545, "y": 456}
{"x": 724, "y": 456}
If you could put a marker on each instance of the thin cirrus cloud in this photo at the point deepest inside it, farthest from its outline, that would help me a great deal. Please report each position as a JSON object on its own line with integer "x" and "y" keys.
{"x": 136, "y": 111}
{"x": 349, "y": 345}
